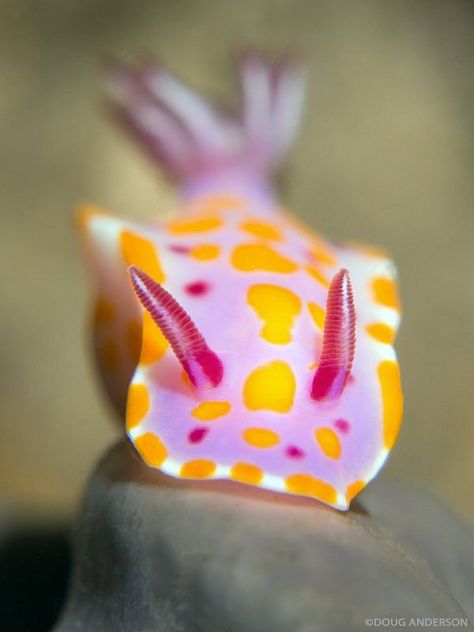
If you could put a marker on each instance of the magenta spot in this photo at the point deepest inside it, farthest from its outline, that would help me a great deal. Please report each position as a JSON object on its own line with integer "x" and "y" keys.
{"x": 342, "y": 425}
{"x": 196, "y": 288}
{"x": 294, "y": 452}
{"x": 197, "y": 435}
{"x": 182, "y": 250}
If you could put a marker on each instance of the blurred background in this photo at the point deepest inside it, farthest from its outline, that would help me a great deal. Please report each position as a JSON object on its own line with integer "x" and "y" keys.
{"x": 385, "y": 156}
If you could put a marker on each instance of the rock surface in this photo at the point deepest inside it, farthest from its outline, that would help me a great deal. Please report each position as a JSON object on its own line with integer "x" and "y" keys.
{"x": 157, "y": 554}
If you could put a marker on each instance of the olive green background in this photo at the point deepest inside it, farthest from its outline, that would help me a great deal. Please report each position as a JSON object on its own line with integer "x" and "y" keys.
{"x": 385, "y": 156}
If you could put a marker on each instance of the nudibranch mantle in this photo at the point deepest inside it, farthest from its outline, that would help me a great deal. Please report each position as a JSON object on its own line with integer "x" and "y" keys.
{"x": 242, "y": 344}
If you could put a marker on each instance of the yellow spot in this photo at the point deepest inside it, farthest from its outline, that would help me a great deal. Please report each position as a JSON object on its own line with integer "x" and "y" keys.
{"x": 86, "y": 213}
{"x": 199, "y": 468}
{"x": 185, "y": 379}
{"x": 218, "y": 204}
{"x": 385, "y": 292}
{"x": 277, "y": 307}
{"x": 138, "y": 404}
{"x": 142, "y": 253}
{"x": 270, "y": 387}
{"x": 205, "y": 252}
{"x": 323, "y": 255}
{"x": 246, "y": 473}
{"x": 392, "y": 399}
{"x": 316, "y": 274}
{"x": 300, "y": 227}
{"x": 353, "y": 489}
{"x": 381, "y": 332}
{"x": 328, "y": 442}
{"x": 108, "y": 354}
{"x": 208, "y": 411}
{"x": 104, "y": 312}
{"x": 134, "y": 340}
{"x": 317, "y": 314}
{"x": 154, "y": 344}
{"x": 256, "y": 257}
{"x": 308, "y": 485}
{"x": 152, "y": 450}
{"x": 261, "y": 437}
{"x": 199, "y": 225}
{"x": 261, "y": 229}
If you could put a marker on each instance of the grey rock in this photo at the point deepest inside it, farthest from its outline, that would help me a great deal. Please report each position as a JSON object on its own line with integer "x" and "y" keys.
{"x": 162, "y": 555}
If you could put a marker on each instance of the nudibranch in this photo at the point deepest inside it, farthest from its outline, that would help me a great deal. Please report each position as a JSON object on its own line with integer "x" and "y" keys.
{"x": 238, "y": 343}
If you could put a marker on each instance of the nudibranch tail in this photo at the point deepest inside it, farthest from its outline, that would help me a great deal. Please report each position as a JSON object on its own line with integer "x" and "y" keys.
{"x": 191, "y": 138}
{"x": 337, "y": 355}
{"x": 203, "y": 367}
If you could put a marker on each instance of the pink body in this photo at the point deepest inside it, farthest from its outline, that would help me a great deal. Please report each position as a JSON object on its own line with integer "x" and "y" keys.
{"x": 293, "y": 402}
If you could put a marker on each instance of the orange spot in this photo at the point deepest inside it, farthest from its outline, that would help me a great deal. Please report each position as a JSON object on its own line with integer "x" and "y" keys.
{"x": 277, "y": 307}
{"x": 385, "y": 292}
{"x": 317, "y": 314}
{"x": 199, "y": 468}
{"x": 316, "y": 274}
{"x": 261, "y": 437}
{"x": 104, "y": 312}
{"x": 381, "y": 332}
{"x": 198, "y": 225}
{"x": 138, "y": 404}
{"x": 392, "y": 399}
{"x": 218, "y": 204}
{"x": 353, "y": 489}
{"x": 142, "y": 253}
{"x": 300, "y": 227}
{"x": 154, "y": 344}
{"x": 134, "y": 340}
{"x": 270, "y": 387}
{"x": 86, "y": 213}
{"x": 205, "y": 252}
{"x": 108, "y": 354}
{"x": 328, "y": 442}
{"x": 246, "y": 473}
{"x": 323, "y": 256}
{"x": 256, "y": 257}
{"x": 185, "y": 379}
{"x": 208, "y": 411}
{"x": 261, "y": 229}
{"x": 307, "y": 485}
{"x": 152, "y": 450}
